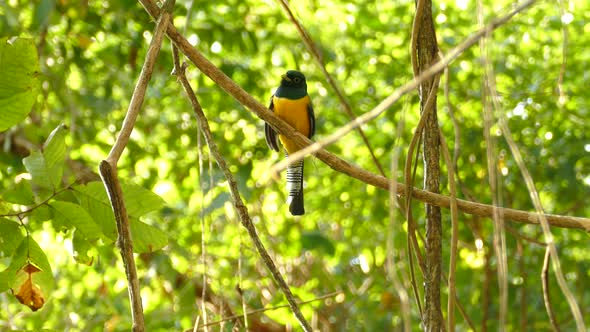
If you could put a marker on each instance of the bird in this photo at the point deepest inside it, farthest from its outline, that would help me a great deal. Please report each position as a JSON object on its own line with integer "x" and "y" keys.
{"x": 292, "y": 104}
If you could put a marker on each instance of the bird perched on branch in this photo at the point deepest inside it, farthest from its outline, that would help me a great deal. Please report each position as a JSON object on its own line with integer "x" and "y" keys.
{"x": 291, "y": 103}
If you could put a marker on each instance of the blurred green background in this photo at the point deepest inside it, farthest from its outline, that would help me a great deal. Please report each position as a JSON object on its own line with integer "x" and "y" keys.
{"x": 90, "y": 55}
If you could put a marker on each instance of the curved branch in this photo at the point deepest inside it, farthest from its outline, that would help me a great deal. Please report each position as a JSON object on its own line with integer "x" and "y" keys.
{"x": 337, "y": 89}
{"x": 342, "y": 166}
{"x": 239, "y": 205}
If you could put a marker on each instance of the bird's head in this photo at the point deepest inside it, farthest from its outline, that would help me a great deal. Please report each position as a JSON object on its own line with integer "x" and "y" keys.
{"x": 293, "y": 79}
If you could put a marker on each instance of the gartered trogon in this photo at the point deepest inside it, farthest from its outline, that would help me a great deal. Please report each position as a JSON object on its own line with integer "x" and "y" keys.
{"x": 291, "y": 103}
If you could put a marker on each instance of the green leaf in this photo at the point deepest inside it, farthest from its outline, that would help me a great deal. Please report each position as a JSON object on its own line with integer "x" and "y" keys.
{"x": 28, "y": 251}
{"x": 73, "y": 215}
{"x": 93, "y": 198}
{"x": 41, "y": 214}
{"x": 36, "y": 166}
{"x": 19, "y": 80}
{"x": 139, "y": 200}
{"x": 146, "y": 238}
{"x": 10, "y": 237}
{"x": 81, "y": 249}
{"x": 316, "y": 240}
{"x": 21, "y": 193}
{"x": 54, "y": 151}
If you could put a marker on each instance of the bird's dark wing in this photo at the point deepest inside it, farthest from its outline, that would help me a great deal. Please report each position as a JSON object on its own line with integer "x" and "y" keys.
{"x": 269, "y": 133}
{"x": 311, "y": 117}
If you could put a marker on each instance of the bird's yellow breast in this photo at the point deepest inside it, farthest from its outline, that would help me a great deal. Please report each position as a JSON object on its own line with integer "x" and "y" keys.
{"x": 295, "y": 113}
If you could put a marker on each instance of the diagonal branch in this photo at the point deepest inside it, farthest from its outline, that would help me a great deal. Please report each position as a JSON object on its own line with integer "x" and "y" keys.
{"x": 108, "y": 170}
{"x": 343, "y": 166}
{"x": 236, "y": 198}
{"x": 311, "y": 47}
{"x": 408, "y": 87}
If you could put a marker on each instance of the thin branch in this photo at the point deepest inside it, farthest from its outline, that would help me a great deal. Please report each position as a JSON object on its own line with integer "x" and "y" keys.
{"x": 397, "y": 94}
{"x": 516, "y": 234}
{"x": 573, "y": 304}
{"x": 175, "y": 71}
{"x": 261, "y": 310}
{"x": 238, "y": 203}
{"x": 311, "y": 47}
{"x": 546, "y": 295}
{"x": 108, "y": 169}
{"x": 340, "y": 165}
{"x": 454, "y": 233}
{"x": 564, "y": 45}
{"x": 488, "y": 90}
{"x": 390, "y": 263}
{"x": 523, "y": 289}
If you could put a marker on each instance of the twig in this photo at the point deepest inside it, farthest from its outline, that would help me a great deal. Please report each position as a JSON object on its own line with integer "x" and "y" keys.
{"x": 523, "y": 289}
{"x": 454, "y": 232}
{"x": 516, "y": 234}
{"x": 175, "y": 71}
{"x": 396, "y": 95}
{"x": 564, "y": 45}
{"x": 488, "y": 87}
{"x": 391, "y": 266}
{"x": 340, "y": 165}
{"x": 311, "y": 47}
{"x": 238, "y": 203}
{"x": 546, "y": 295}
{"x": 108, "y": 170}
{"x": 574, "y": 307}
{"x": 261, "y": 310}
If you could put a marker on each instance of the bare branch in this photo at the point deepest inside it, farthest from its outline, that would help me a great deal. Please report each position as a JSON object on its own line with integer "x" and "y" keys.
{"x": 573, "y": 304}
{"x": 546, "y": 295}
{"x": 108, "y": 170}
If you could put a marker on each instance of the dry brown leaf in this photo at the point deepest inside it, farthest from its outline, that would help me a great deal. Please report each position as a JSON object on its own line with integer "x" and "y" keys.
{"x": 29, "y": 293}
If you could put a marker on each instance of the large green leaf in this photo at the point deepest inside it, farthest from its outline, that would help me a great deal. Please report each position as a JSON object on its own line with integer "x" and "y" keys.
{"x": 19, "y": 80}
{"x": 81, "y": 248}
{"x": 139, "y": 200}
{"x": 10, "y": 236}
{"x": 93, "y": 198}
{"x": 73, "y": 215}
{"x": 21, "y": 193}
{"x": 28, "y": 251}
{"x": 146, "y": 238}
{"x": 36, "y": 166}
{"x": 54, "y": 151}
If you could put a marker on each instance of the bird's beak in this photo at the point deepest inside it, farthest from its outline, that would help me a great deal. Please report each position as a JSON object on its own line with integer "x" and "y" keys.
{"x": 286, "y": 78}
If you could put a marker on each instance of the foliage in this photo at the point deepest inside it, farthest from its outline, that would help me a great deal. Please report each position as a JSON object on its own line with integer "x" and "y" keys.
{"x": 56, "y": 215}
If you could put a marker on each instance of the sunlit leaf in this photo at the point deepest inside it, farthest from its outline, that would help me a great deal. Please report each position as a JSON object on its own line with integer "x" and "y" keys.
{"x": 139, "y": 200}
{"x": 21, "y": 193}
{"x": 93, "y": 198}
{"x": 81, "y": 249}
{"x": 54, "y": 152}
{"x": 73, "y": 215}
{"x": 19, "y": 80}
{"x": 146, "y": 238}
{"x": 28, "y": 257}
{"x": 10, "y": 237}
{"x": 37, "y": 167}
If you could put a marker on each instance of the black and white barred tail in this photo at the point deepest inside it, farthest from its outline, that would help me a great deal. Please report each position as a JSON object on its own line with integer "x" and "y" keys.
{"x": 295, "y": 188}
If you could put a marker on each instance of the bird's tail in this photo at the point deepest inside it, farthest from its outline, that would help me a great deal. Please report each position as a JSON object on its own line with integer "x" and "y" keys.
{"x": 295, "y": 188}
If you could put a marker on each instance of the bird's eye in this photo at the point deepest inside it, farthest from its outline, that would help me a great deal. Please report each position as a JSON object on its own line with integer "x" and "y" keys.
{"x": 296, "y": 80}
